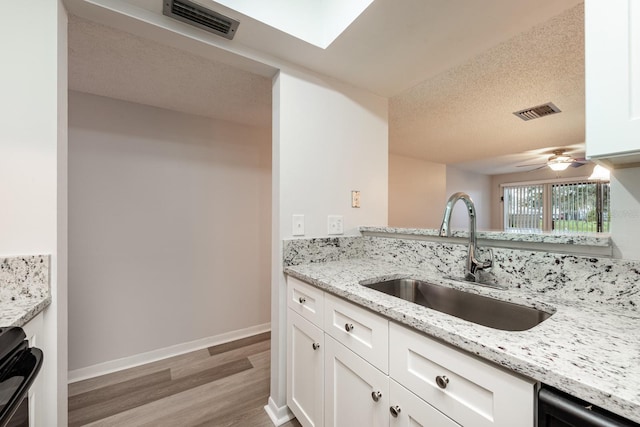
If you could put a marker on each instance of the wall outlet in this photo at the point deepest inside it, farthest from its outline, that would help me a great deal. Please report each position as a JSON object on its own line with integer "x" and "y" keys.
{"x": 298, "y": 225}
{"x": 355, "y": 199}
{"x": 335, "y": 224}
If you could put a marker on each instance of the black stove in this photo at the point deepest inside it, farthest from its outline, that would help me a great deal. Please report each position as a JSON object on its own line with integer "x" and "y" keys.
{"x": 19, "y": 366}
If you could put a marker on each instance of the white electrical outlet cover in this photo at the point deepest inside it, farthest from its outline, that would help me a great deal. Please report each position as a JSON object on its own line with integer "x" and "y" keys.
{"x": 298, "y": 225}
{"x": 335, "y": 224}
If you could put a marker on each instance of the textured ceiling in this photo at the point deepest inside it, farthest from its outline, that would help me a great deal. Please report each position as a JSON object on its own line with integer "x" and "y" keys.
{"x": 465, "y": 115}
{"x": 392, "y": 46}
{"x": 108, "y": 62}
{"x": 455, "y": 70}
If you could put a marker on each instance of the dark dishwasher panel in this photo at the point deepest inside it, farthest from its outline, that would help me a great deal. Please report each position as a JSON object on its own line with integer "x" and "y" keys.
{"x": 559, "y": 409}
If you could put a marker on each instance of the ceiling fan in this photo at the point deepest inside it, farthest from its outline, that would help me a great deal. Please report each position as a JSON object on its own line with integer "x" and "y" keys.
{"x": 558, "y": 161}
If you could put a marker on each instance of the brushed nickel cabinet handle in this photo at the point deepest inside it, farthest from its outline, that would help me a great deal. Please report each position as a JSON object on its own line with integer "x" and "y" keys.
{"x": 348, "y": 327}
{"x": 376, "y": 395}
{"x": 315, "y": 345}
{"x": 442, "y": 381}
{"x": 302, "y": 300}
{"x": 395, "y": 411}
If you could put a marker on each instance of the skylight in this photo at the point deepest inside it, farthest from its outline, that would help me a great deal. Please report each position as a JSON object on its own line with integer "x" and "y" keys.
{"x": 318, "y": 22}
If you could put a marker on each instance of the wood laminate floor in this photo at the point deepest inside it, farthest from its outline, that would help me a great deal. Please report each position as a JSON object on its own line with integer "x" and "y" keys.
{"x": 225, "y": 385}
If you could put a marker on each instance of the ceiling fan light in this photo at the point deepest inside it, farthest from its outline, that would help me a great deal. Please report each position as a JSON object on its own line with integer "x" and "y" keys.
{"x": 558, "y": 166}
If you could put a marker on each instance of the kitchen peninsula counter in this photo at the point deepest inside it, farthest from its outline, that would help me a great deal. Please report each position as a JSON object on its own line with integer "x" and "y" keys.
{"x": 589, "y": 347}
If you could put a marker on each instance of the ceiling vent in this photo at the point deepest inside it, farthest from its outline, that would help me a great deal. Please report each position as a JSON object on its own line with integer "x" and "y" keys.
{"x": 537, "y": 112}
{"x": 201, "y": 17}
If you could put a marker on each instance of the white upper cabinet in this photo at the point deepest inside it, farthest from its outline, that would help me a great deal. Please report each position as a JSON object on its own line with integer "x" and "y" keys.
{"x": 612, "y": 82}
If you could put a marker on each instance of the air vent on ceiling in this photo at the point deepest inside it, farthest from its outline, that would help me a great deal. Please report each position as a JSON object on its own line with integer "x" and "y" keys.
{"x": 537, "y": 112}
{"x": 201, "y": 17}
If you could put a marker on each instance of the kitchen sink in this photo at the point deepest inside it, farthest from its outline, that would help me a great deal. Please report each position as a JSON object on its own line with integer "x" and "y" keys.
{"x": 475, "y": 308}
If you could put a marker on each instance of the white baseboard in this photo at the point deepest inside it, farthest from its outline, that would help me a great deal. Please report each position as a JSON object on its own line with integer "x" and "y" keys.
{"x": 162, "y": 353}
{"x": 278, "y": 414}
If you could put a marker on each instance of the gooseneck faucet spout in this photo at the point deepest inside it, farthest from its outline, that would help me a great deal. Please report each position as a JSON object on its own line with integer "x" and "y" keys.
{"x": 474, "y": 266}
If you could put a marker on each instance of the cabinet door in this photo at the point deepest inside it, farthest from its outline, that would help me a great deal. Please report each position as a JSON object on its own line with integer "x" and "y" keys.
{"x": 408, "y": 410}
{"x": 356, "y": 393}
{"x": 305, "y": 370}
{"x": 612, "y": 79}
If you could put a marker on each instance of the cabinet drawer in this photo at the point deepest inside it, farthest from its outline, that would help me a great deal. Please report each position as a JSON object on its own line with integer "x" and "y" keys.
{"x": 305, "y": 300}
{"x": 471, "y": 392}
{"x": 364, "y": 332}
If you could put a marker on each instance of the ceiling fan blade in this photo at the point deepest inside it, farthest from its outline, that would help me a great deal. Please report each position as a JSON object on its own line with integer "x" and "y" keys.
{"x": 575, "y": 164}
{"x": 531, "y": 164}
{"x": 535, "y": 169}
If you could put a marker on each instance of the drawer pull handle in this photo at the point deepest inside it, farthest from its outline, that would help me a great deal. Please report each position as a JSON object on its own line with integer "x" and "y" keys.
{"x": 315, "y": 345}
{"x": 442, "y": 381}
{"x": 376, "y": 395}
{"x": 302, "y": 300}
{"x": 348, "y": 327}
{"x": 395, "y": 411}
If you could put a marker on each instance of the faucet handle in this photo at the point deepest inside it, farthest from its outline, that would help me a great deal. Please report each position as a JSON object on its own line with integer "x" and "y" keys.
{"x": 486, "y": 265}
{"x": 483, "y": 265}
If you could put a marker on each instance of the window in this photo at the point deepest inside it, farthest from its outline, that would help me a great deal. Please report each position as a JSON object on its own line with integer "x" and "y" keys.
{"x": 524, "y": 207}
{"x": 567, "y": 207}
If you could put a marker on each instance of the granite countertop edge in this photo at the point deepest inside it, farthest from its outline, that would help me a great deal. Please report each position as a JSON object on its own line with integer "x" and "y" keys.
{"x": 585, "y": 239}
{"x": 19, "y": 314}
{"x": 557, "y": 363}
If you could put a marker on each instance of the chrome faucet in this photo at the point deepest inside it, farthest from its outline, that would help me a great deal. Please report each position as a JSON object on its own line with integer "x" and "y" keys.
{"x": 473, "y": 267}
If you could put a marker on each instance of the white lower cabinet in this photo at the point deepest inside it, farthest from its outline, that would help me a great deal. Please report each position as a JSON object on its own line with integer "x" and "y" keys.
{"x": 33, "y": 331}
{"x": 408, "y": 410}
{"x": 472, "y": 392}
{"x": 362, "y": 331}
{"x": 352, "y": 367}
{"x": 356, "y": 393}
{"x": 305, "y": 370}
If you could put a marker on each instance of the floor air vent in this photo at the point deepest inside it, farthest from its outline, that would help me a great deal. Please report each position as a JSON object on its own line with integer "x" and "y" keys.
{"x": 537, "y": 112}
{"x": 201, "y": 17}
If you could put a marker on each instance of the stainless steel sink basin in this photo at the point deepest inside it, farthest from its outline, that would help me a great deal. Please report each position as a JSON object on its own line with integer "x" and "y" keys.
{"x": 475, "y": 308}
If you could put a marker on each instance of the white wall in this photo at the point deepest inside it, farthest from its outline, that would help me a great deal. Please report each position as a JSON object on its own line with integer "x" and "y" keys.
{"x": 33, "y": 167}
{"x": 417, "y": 189}
{"x": 477, "y": 186}
{"x": 329, "y": 139}
{"x": 169, "y": 235}
{"x": 332, "y": 139}
{"x": 625, "y": 213}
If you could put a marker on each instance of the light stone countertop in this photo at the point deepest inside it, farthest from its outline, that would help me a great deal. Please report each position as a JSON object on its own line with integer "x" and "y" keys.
{"x": 590, "y": 350}
{"x": 577, "y": 239}
{"x": 24, "y": 288}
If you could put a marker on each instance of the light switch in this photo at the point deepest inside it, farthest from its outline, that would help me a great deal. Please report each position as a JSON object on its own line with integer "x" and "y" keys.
{"x": 355, "y": 199}
{"x": 335, "y": 224}
{"x": 298, "y": 225}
